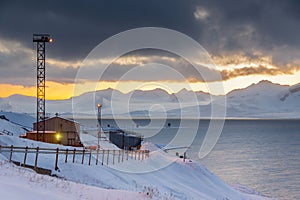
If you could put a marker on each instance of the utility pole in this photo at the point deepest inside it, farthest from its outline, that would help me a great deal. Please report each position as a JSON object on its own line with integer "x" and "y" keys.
{"x": 41, "y": 40}
{"x": 99, "y": 128}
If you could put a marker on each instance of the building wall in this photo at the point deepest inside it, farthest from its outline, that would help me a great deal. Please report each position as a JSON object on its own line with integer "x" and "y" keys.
{"x": 67, "y": 132}
{"x": 60, "y": 124}
{"x": 124, "y": 141}
{"x": 49, "y": 137}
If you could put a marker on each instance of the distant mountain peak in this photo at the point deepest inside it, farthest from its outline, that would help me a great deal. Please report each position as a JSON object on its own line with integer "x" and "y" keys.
{"x": 262, "y": 99}
{"x": 261, "y": 83}
{"x": 264, "y": 87}
{"x": 156, "y": 91}
{"x": 183, "y": 91}
{"x": 265, "y": 82}
{"x": 20, "y": 97}
{"x": 108, "y": 90}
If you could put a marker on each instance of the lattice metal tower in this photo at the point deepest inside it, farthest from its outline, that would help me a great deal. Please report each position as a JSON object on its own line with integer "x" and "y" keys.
{"x": 41, "y": 40}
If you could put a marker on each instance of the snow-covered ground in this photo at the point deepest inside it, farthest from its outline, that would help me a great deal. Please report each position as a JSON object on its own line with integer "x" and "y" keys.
{"x": 131, "y": 179}
{"x": 15, "y": 124}
{"x": 21, "y": 119}
{"x": 18, "y": 183}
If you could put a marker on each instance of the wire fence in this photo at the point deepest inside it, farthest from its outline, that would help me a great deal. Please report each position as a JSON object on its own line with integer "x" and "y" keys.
{"x": 82, "y": 156}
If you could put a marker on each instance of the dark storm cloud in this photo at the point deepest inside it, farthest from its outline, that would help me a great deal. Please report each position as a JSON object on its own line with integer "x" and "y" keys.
{"x": 78, "y": 26}
{"x": 252, "y": 25}
{"x": 270, "y": 26}
{"x": 148, "y": 65}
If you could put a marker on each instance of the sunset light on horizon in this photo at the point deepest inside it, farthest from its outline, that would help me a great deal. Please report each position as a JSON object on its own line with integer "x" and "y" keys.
{"x": 244, "y": 49}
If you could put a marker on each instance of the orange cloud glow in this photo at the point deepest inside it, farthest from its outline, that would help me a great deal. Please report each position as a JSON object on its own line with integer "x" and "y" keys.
{"x": 53, "y": 91}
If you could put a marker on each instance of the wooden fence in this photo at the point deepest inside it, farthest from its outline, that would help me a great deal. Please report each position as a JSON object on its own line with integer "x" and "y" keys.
{"x": 72, "y": 155}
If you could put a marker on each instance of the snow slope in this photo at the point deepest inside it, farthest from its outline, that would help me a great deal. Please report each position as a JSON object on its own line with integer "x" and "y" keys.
{"x": 15, "y": 124}
{"x": 260, "y": 101}
{"x": 179, "y": 180}
{"x": 20, "y": 183}
{"x": 9, "y": 128}
{"x": 21, "y": 119}
{"x": 159, "y": 177}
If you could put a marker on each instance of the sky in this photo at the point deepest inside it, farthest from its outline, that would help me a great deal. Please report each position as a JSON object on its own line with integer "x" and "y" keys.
{"x": 247, "y": 40}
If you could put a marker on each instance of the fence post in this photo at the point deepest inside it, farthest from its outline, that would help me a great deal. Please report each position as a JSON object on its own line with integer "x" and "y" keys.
{"x": 119, "y": 156}
{"x": 11, "y": 151}
{"x": 25, "y": 156}
{"x": 126, "y": 154}
{"x": 90, "y": 157}
{"x": 56, "y": 159}
{"x": 103, "y": 152}
{"x": 97, "y": 156}
{"x": 113, "y": 157}
{"x": 83, "y": 152}
{"x": 67, "y": 151}
{"x": 74, "y": 152}
{"x": 107, "y": 157}
{"x": 36, "y": 158}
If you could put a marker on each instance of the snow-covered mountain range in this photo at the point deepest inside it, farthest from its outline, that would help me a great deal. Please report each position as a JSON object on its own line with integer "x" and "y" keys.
{"x": 262, "y": 100}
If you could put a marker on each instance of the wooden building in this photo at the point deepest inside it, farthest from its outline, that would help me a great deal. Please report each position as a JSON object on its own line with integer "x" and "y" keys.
{"x": 58, "y": 131}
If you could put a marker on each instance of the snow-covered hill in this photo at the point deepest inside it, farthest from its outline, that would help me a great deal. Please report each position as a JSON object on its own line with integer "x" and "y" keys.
{"x": 21, "y": 183}
{"x": 261, "y": 100}
{"x": 264, "y": 100}
{"x": 21, "y": 119}
{"x": 131, "y": 179}
{"x": 15, "y": 124}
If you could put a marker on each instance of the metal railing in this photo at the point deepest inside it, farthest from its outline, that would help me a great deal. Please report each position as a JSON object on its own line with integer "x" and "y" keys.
{"x": 74, "y": 155}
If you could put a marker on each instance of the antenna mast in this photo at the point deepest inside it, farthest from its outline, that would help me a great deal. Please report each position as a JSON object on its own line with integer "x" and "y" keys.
{"x": 40, "y": 40}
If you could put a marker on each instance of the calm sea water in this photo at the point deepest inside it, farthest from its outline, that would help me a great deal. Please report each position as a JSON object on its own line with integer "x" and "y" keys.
{"x": 261, "y": 154}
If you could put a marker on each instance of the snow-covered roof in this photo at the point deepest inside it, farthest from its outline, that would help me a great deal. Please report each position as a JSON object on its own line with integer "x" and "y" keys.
{"x": 47, "y": 132}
